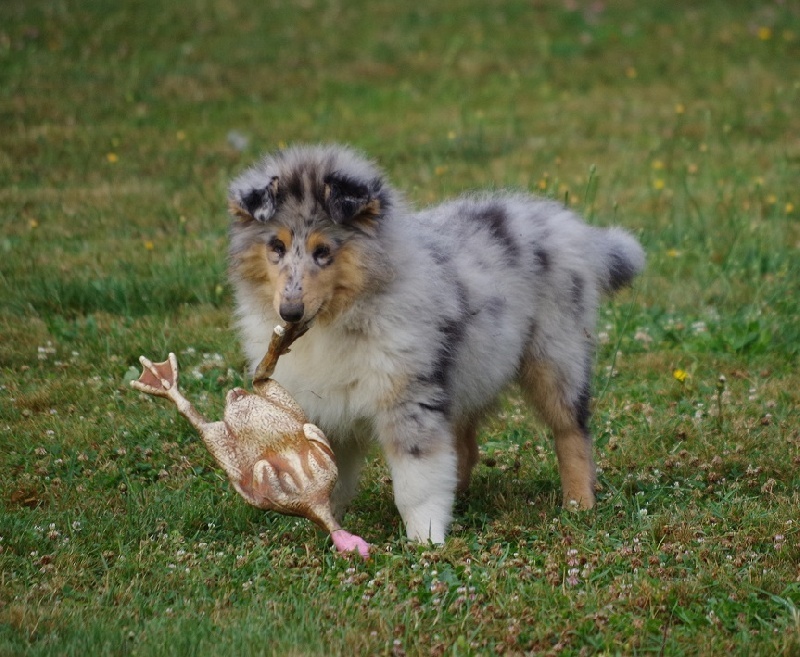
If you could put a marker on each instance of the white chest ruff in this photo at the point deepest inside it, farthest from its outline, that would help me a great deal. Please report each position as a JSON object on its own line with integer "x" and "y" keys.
{"x": 337, "y": 381}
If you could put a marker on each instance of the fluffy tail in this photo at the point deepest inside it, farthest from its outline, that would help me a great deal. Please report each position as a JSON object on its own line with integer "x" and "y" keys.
{"x": 621, "y": 258}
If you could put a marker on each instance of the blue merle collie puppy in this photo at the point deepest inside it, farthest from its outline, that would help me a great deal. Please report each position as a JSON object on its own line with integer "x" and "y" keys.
{"x": 421, "y": 318}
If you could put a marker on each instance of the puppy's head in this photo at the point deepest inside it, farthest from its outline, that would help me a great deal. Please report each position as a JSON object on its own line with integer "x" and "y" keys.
{"x": 304, "y": 230}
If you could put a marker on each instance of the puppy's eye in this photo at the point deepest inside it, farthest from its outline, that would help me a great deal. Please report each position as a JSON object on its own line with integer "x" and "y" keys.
{"x": 277, "y": 247}
{"x": 322, "y": 254}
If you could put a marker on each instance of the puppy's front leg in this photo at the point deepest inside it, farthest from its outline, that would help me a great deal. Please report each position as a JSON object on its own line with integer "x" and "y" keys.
{"x": 421, "y": 455}
{"x": 350, "y": 456}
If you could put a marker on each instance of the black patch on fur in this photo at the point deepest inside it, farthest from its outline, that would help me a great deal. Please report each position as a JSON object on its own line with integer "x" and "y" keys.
{"x": 583, "y": 404}
{"x": 620, "y": 270}
{"x": 438, "y": 377}
{"x": 576, "y": 294}
{"x": 452, "y": 332}
{"x": 294, "y": 185}
{"x": 415, "y": 451}
{"x": 437, "y": 401}
{"x": 347, "y": 196}
{"x": 542, "y": 258}
{"x": 260, "y": 199}
{"x": 254, "y": 200}
{"x": 494, "y": 217}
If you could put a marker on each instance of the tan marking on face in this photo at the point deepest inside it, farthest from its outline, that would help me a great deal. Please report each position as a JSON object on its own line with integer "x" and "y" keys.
{"x": 329, "y": 291}
{"x": 316, "y": 240}
{"x": 285, "y": 236}
{"x": 252, "y": 266}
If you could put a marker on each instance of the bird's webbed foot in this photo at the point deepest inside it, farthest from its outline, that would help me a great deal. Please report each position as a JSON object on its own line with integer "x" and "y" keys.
{"x": 159, "y": 379}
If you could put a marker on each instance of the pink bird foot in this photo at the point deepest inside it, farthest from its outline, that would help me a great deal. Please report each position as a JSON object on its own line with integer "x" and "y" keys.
{"x": 347, "y": 542}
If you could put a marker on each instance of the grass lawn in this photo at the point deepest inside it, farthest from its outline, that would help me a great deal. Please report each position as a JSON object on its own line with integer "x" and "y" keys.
{"x": 120, "y": 126}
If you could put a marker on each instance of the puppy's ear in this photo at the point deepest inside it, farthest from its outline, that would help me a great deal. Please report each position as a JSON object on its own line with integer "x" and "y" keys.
{"x": 257, "y": 203}
{"x": 349, "y": 200}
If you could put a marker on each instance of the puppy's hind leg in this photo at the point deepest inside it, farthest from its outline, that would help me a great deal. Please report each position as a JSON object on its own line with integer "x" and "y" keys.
{"x": 563, "y": 403}
{"x": 468, "y": 454}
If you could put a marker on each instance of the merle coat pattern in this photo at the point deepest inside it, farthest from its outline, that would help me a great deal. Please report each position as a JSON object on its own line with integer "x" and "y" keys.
{"x": 421, "y": 318}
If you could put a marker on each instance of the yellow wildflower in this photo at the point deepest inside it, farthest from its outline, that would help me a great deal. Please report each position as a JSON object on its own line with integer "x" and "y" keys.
{"x": 149, "y": 245}
{"x": 112, "y": 158}
{"x": 659, "y": 183}
{"x": 679, "y": 375}
{"x": 764, "y": 33}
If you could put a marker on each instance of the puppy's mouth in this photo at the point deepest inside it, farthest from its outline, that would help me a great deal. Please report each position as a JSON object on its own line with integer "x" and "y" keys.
{"x": 281, "y": 340}
{"x": 299, "y": 328}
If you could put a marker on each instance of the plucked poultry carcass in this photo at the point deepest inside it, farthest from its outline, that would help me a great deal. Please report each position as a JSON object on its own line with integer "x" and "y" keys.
{"x": 274, "y": 457}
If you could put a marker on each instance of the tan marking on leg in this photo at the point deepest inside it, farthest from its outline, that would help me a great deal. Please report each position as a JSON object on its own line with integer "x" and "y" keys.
{"x": 576, "y": 467}
{"x": 546, "y": 393}
{"x": 467, "y": 452}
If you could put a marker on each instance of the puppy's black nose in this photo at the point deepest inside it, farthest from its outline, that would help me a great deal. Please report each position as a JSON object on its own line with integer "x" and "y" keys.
{"x": 292, "y": 311}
